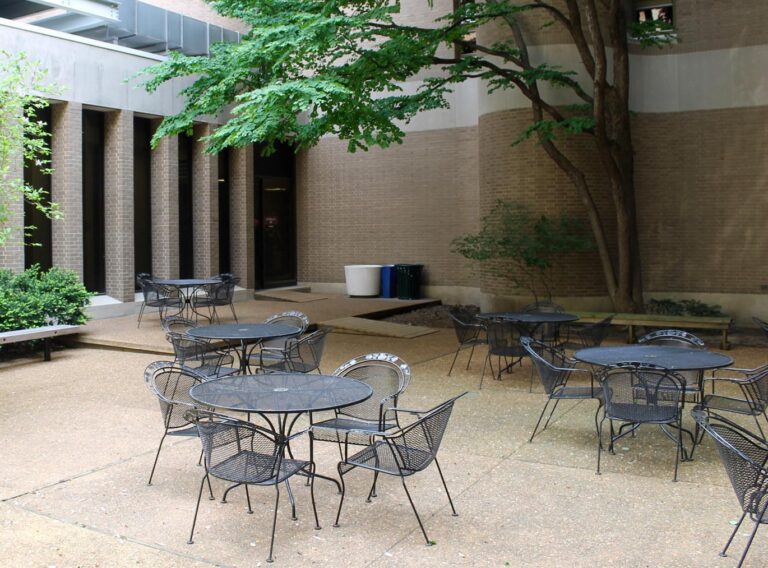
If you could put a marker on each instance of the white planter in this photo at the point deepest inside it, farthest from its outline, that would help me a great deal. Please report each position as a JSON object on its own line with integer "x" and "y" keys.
{"x": 363, "y": 279}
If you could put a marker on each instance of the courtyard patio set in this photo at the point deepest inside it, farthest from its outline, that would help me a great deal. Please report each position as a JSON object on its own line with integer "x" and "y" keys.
{"x": 81, "y": 436}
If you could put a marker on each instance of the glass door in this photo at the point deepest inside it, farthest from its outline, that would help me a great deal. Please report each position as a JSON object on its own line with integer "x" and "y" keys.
{"x": 275, "y": 224}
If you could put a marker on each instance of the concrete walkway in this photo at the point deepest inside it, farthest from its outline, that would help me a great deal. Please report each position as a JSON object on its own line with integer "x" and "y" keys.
{"x": 78, "y": 437}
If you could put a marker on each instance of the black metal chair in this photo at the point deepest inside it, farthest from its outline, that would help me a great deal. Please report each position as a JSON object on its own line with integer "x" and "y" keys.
{"x": 211, "y": 296}
{"x": 503, "y": 343}
{"x": 555, "y": 370}
{"x": 763, "y": 325}
{"x": 388, "y": 376}
{"x": 243, "y": 453}
{"x": 635, "y": 394}
{"x": 177, "y": 324}
{"x": 402, "y": 453}
{"x": 590, "y": 335}
{"x": 170, "y": 383}
{"x": 753, "y": 385}
{"x": 163, "y": 298}
{"x": 546, "y": 332}
{"x": 694, "y": 380}
{"x": 294, "y": 318}
{"x": 201, "y": 356}
{"x": 469, "y": 332}
{"x": 744, "y": 457}
{"x": 302, "y": 355}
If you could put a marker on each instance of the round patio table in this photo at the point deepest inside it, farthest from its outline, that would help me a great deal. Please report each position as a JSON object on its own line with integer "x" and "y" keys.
{"x": 282, "y": 395}
{"x": 183, "y": 285}
{"x": 243, "y": 334}
{"x": 672, "y": 358}
{"x": 536, "y": 318}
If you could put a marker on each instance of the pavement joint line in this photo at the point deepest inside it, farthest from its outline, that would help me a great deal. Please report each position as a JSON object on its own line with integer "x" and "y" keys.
{"x": 434, "y": 514}
{"x": 120, "y": 537}
{"x": 82, "y": 474}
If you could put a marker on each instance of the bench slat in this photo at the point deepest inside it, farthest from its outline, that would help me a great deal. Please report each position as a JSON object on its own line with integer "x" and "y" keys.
{"x": 37, "y": 333}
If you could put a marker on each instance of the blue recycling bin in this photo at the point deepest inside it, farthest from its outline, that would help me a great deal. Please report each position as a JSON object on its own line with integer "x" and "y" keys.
{"x": 388, "y": 281}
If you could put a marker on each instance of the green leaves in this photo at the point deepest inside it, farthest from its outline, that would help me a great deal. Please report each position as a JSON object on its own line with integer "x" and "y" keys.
{"x": 22, "y": 135}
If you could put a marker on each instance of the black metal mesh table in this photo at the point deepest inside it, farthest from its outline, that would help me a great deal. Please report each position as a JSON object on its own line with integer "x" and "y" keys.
{"x": 672, "y": 358}
{"x": 243, "y": 334}
{"x": 183, "y": 285}
{"x": 531, "y": 318}
{"x": 282, "y": 395}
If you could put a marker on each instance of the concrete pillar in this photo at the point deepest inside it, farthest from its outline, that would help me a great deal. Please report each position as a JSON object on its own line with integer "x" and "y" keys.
{"x": 205, "y": 206}
{"x": 67, "y": 185}
{"x": 118, "y": 204}
{"x": 12, "y": 253}
{"x": 241, "y": 229}
{"x": 165, "y": 208}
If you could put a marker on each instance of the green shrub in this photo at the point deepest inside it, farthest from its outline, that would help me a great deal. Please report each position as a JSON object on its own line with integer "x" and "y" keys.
{"x": 34, "y": 298}
{"x": 669, "y": 307}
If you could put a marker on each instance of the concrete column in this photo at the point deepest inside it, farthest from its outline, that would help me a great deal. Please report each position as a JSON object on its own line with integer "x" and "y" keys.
{"x": 241, "y": 194}
{"x": 12, "y": 253}
{"x": 118, "y": 204}
{"x": 165, "y": 208}
{"x": 67, "y": 185}
{"x": 205, "y": 206}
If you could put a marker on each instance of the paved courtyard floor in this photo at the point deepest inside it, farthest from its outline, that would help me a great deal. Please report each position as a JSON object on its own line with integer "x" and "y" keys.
{"x": 78, "y": 436}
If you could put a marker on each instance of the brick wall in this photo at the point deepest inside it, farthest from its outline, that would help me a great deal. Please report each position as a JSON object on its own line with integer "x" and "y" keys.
{"x": 402, "y": 204}
{"x": 165, "y": 207}
{"x": 241, "y": 215}
{"x": 67, "y": 184}
{"x": 118, "y": 204}
{"x": 205, "y": 206}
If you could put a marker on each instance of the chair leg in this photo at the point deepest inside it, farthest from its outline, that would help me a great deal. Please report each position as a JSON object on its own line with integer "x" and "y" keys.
{"x": 733, "y": 534}
{"x": 248, "y": 499}
{"x": 471, "y": 352}
{"x": 312, "y": 494}
{"x": 749, "y": 543}
{"x": 232, "y": 307}
{"x": 440, "y": 471}
{"x": 372, "y": 492}
{"x": 197, "y": 508}
{"x": 141, "y": 313}
{"x": 157, "y": 455}
{"x": 679, "y": 447}
{"x": 539, "y": 420}
{"x": 483, "y": 375}
{"x": 454, "y": 359}
{"x": 274, "y": 523}
{"x": 557, "y": 401}
{"x": 343, "y": 491}
{"x": 599, "y": 443}
{"x": 424, "y": 532}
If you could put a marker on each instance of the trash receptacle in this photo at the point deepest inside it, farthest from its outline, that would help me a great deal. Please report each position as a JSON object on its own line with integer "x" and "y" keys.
{"x": 409, "y": 281}
{"x": 363, "y": 279}
{"x": 388, "y": 281}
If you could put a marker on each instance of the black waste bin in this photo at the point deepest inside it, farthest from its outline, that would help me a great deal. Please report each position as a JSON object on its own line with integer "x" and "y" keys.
{"x": 409, "y": 281}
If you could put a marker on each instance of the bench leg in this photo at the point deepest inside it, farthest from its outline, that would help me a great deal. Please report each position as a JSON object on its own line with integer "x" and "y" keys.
{"x": 630, "y": 334}
{"x": 724, "y": 345}
{"x": 46, "y": 349}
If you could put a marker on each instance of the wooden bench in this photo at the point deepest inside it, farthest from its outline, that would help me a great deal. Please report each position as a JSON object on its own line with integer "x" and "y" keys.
{"x": 45, "y": 333}
{"x": 660, "y": 321}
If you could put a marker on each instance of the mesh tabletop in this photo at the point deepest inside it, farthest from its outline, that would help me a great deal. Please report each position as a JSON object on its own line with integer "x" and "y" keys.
{"x": 672, "y": 358}
{"x": 186, "y": 282}
{"x": 530, "y": 317}
{"x": 244, "y": 331}
{"x": 280, "y": 393}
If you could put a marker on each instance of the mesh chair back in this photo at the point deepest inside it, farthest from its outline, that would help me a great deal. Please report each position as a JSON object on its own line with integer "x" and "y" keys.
{"x": 551, "y": 364}
{"x": 504, "y": 339}
{"x": 157, "y": 296}
{"x": 547, "y": 332}
{"x": 220, "y": 294}
{"x": 594, "y": 335}
{"x": 227, "y": 276}
{"x": 744, "y": 457}
{"x": 763, "y": 325}
{"x": 755, "y": 387}
{"x": 416, "y": 445}
{"x": 171, "y": 384}
{"x": 304, "y": 355}
{"x": 188, "y": 348}
{"x": 234, "y": 449}
{"x": 294, "y": 318}
{"x": 143, "y": 277}
{"x": 642, "y": 393}
{"x": 466, "y": 330}
{"x": 177, "y": 324}
{"x": 673, "y": 338}
{"x": 386, "y": 374}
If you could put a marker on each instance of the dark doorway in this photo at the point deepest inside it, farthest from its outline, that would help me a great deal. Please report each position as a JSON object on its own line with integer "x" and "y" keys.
{"x": 186, "y": 234}
{"x": 225, "y": 259}
{"x": 142, "y": 195}
{"x": 94, "y": 274}
{"x": 38, "y": 247}
{"x": 275, "y": 218}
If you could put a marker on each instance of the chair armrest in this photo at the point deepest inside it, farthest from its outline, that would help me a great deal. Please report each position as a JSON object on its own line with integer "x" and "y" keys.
{"x": 298, "y": 434}
{"x": 407, "y": 410}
